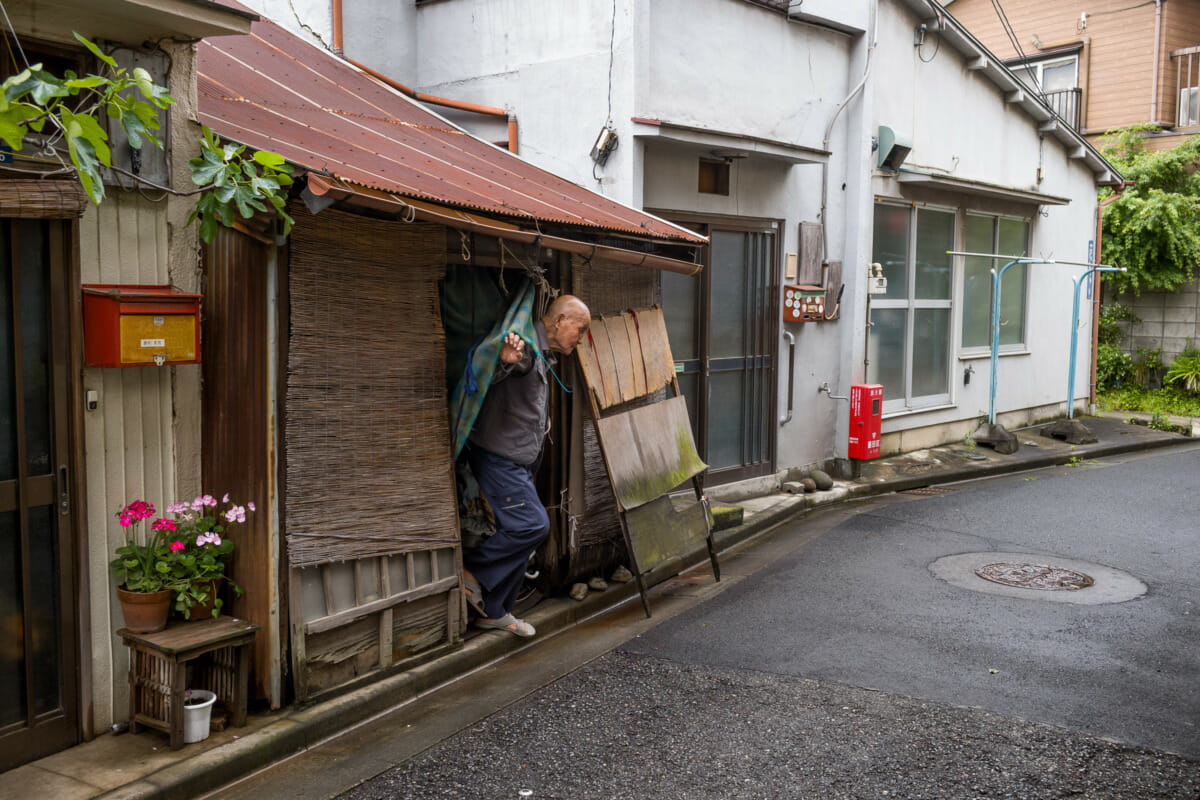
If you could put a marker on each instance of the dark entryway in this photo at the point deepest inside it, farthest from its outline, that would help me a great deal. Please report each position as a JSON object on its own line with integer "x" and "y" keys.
{"x": 723, "y": 326}
{"x": 38, "y": 691}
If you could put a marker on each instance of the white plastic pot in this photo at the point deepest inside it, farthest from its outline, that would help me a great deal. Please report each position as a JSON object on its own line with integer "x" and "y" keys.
{"x": 196, "y": 715}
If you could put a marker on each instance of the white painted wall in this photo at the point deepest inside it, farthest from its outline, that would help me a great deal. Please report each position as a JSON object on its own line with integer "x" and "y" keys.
{"x": 960, "y": 125}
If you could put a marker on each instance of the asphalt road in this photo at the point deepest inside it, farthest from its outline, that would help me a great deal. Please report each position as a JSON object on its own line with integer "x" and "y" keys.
{"x": 843, "y": 658}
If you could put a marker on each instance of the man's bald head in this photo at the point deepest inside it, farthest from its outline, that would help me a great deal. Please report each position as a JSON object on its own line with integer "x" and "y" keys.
{"x": 566, "y": 320}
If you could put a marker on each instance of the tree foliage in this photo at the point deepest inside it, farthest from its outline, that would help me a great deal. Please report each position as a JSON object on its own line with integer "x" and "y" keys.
{"x": 1153, "y": 228}
{"x": 58, "y": 114}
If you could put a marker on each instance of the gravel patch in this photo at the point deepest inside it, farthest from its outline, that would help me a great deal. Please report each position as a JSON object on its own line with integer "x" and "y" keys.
{"x": 632, "y": 726}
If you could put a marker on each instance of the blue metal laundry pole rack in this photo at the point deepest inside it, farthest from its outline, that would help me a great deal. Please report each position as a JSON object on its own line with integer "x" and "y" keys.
{"x": 1075, "y": 334}
{"x": 996, "y": 276}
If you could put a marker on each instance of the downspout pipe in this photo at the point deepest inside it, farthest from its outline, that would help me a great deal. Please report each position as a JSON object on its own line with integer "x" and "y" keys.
{"x": 337, "y": 28}
{"x": 1158, "y": 5}
{"x": 871, "y": 43}
{"x": 460, "y": 105}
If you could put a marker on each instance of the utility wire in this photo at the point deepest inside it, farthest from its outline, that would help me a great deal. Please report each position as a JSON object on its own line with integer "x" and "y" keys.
{"x": 8, "y": 22}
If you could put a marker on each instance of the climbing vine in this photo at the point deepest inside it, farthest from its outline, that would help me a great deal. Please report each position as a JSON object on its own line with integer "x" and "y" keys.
{"x": 1153, "y": 228}
{"x": 59, "y": 117}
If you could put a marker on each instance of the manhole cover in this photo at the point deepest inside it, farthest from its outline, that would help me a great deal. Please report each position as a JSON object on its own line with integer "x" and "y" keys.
{"x": 1034, "y": 576}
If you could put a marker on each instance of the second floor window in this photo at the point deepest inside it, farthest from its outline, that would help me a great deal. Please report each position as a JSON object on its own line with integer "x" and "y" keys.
{"x": 1056, "y": 80}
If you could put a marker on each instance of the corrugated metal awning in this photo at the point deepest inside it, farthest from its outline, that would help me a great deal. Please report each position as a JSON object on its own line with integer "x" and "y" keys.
{"x": 273, "y": 91}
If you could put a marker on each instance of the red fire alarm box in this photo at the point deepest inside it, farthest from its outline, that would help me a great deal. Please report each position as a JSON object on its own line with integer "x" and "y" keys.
{"x": 133, "y": 326}
{"x": 803, "y": 303}
{"x": 866, "y": 420}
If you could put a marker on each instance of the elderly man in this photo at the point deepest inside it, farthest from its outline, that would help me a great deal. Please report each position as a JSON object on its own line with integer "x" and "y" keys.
{"x": 504, "y": 450}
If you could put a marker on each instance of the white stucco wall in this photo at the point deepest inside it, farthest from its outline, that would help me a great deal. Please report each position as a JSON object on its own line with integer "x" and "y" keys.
{"x": 961, "y": 126}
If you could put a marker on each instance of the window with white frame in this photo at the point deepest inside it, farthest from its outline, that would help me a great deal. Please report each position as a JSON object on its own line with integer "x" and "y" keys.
{"x": 909, "y": 345}
{"x": 1056, "y": 81}
{"x": 983, "y": 233}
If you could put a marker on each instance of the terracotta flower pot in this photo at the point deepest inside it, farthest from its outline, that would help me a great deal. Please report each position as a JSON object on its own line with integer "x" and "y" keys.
{"x": 145, "y": 612}
{"x": 204, "y": 610}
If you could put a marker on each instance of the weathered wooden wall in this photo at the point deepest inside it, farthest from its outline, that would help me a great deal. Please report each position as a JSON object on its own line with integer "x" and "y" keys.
{"x": 129, "y": 441}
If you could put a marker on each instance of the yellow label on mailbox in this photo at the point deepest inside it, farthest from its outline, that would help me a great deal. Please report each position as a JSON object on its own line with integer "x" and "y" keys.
{"x": 144, "y": 336}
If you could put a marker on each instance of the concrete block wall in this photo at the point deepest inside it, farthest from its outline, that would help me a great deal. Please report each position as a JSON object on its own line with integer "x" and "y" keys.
{"x": 1168, "y": 320}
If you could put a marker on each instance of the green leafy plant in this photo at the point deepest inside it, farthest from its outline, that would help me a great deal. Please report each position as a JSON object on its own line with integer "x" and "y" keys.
{"x": 1147, "y": 364}
{"x": 60, "y": 115}
{"x": 1167, "y": 400}
{"x": 1160, "y": 422}
{"x": 1153, "y": 228}
{"x": 1184, "y": 372}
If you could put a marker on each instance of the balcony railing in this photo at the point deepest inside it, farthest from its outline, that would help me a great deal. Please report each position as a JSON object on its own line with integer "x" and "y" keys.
{"x": 1065, "y": 103}
{"x": 1187, "y": 86}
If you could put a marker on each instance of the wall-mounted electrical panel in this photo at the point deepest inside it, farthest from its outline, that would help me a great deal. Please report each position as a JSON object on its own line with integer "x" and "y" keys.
{"x": 803, "y": 303}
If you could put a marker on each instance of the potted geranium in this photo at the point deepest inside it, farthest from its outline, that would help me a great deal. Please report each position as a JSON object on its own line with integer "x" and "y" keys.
{"x": 197, "y": 537}
{"x": 143, "y": 571}
{"x": 184, "y": 560}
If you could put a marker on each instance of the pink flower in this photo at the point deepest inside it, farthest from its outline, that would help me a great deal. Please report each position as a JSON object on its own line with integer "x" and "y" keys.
{"x": 164, "y": 524}
{"x": 177, "y": 546}
{"x": 209, "y": 500}
{"x": 197, "y": 504}
{"x": 236, "y": 514}
{"x": 126, "y": 520}
{"x": 250, "y": 505}
{"x": 225, "y": 499}
{"x": 208, "y": 538}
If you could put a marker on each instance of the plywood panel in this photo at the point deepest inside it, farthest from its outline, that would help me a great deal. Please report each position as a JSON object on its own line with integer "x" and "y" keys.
{"x": 649, "y": 451}
{"x": 626, "y": 356}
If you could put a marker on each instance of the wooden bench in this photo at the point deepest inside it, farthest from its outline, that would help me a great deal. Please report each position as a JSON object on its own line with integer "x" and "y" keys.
{"x": 212, "y": 654}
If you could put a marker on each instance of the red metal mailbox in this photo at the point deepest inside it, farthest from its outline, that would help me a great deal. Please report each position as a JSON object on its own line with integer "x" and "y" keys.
{"x": 133, "y": 326}
{"x": 866, "y": 420}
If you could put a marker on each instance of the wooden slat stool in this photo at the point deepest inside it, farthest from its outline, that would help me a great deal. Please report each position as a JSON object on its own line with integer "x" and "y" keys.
{"x": 212, "y": 654}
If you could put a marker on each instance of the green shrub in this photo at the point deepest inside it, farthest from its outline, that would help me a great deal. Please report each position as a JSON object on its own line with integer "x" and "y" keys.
{"x": 1184, "y": 373}
{"x": 1169, "y": 400}
{"x": 1114, "y": 367}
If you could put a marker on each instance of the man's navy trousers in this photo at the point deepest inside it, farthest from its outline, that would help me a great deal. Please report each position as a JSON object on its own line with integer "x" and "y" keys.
{"x": 499, "y": 564}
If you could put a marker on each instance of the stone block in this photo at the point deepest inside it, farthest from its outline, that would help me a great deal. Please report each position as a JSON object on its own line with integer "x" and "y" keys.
{"x": 1071, "y": 431}
{"x": 998, "y": 438}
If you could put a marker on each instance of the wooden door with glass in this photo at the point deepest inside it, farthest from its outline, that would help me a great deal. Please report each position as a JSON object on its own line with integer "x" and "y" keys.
{"x": 38, "y": 693}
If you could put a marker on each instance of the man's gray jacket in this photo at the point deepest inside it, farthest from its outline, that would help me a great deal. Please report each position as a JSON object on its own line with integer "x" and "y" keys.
{"x": 514, "y": 418}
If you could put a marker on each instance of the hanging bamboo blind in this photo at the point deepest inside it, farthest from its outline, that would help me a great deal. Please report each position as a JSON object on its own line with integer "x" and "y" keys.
{"x": 41, "y": 199}
{"x": 368, "y": 451}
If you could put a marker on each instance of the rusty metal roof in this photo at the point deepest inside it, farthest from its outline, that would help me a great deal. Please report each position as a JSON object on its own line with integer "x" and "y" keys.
{"x": 273, "y": 91}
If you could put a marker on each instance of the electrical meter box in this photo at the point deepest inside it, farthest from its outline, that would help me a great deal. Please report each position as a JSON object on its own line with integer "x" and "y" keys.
{"x": 134, "y": 326}
{"x": 866, "y": 420}
{"x": 802, "y": 303}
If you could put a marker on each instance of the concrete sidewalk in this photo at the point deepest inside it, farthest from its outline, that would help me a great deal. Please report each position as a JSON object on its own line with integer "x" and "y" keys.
{"x": 143, "y": 766}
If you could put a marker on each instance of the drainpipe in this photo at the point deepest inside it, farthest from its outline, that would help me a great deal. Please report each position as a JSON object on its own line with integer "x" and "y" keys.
{"x": 461, "y": 105}
{"x": 1157, "y": 52}
{"x": 337, "y": 27}
{"x": 1096, "y": 288}
{"x": 829, "y": 131}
